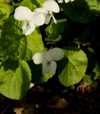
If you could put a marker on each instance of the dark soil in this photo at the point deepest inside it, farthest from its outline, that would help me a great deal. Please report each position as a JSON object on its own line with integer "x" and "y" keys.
{"x": 55, "y": 99}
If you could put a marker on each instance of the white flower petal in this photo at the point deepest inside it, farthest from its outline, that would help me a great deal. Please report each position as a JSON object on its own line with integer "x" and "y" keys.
{"x": 39, "y": 57}
{"x": 39, "y": 19}
{"x": 60, "y": 1}
{"x": 28, "y": 28}
{"x": 25, "y": 27}
{"x": 51, "y": 5}
{"x": 66, "y": 1}
{"x": 47, "y": 18}
{"x": 45, "y": 13}
{"x": 41, "y": 10}
{"x": 54, "y": 19}
{"x": 55, "y": 54}
{"x": 22, "y": 13}
{"x": 49, "y": 67}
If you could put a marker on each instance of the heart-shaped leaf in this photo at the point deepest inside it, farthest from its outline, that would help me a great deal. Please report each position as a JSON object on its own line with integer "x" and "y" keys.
{"x": 72, "y": 68}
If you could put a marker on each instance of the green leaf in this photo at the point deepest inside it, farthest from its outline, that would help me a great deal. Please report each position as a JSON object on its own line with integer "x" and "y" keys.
{"x": 15, "y": 78}
{"x": 0, "y": 33}
{"x": 28, "y": 4}
{"x": 34, "y": 42}
{"x": 72, "y": 68}
{"x": 54, "y": 31}
{"x": 28, "y": 55}
{"x": 37, "y": 76}
{"x": 3, "y": 1}
{"x": 94, "y": 84}
{"x": 37, "y": 3}
{"x": 2, "y": 57}
{"x": 1, "y": 23}
{"x": 16, "y": 3}
{"x": 82, "y": 36}
{"x": 87, "y": 79}
{"x": 91, "y": 59}
{"x": 11, "y": 9}
{"x": 16, "y": 44}
{"x": 4, "y": 11}
{"x": 95, "y": 74}
{"x": 13, "y": 43}
{"x": 32, "y": 4}
{"x": 82, "y": 11}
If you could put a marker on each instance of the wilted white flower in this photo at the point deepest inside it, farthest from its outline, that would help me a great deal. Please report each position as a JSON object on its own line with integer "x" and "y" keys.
{"x": 49, "y": 7}
{"x": 30, "y": 19}
{"x": 48, "y": 59}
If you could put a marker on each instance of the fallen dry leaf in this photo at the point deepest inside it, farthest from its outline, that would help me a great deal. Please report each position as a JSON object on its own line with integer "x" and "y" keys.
{"x": 61, "y": 102}
{"x": 18, "y": 110}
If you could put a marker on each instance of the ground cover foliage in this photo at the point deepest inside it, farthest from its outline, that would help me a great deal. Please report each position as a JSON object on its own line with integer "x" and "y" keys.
{"x": 74, "y": 82}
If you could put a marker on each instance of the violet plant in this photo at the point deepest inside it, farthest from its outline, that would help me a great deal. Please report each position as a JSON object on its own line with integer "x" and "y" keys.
{"x": 43, "y": 38}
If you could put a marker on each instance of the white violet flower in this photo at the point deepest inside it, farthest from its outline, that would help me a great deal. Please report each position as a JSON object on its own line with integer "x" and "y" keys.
{"x": 49, "y": 7}
{"x": 60, "y": 1}
{"x": 66, "y": 1}
{"x": 48, "y": 59}
{"x": 30, "y": 19}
